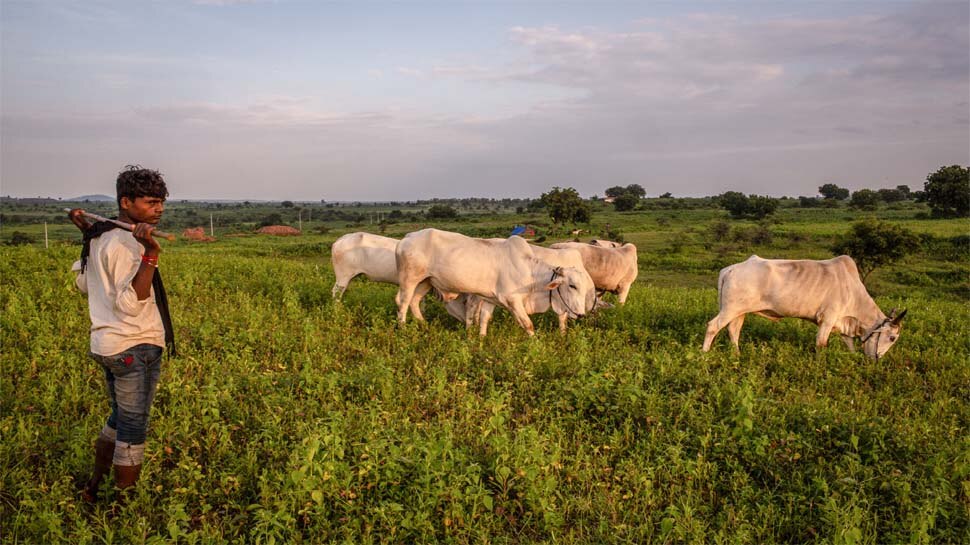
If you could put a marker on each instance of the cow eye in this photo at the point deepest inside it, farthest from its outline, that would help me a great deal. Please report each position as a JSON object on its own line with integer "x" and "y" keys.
{"x": 892, "y": 338}
{"x": 573, "y": 286}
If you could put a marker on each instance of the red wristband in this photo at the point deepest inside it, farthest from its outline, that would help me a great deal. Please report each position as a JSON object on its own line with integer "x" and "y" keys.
{"x": 150, "y": 259}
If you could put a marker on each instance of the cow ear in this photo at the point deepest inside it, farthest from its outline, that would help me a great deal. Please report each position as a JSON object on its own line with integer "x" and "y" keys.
{"x": 899, "y": 318}
{"x": 554, "y": 284}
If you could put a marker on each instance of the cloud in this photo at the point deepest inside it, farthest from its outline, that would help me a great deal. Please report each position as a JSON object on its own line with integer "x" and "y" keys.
{"x": 694, "y": 104}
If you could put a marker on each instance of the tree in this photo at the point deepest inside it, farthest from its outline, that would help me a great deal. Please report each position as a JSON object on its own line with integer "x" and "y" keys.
{"x": 734, "y": 202}
{"x": 889, "y": 196}
{"x": 904, "y": 189}
{"x": 287, "y": 204}
{"x": 760, "y": 207}
{"x": 808, "y": 202}
{"x": 615, "y": 191}
{"x": 666, "y": 195}
{"x": 271, "y": 219}
{"x": 947, "y": 191}
{"x": 636, "y": 189}
{"x": 535, "y": 205}
{"x": 752, "y": 206}
{"x": 441, "y": 212}
{"x": 832, "y": 191}
{"x": 864, "y": 199}
{"x": 873, "y": 243}
{"x": 626, "y": 202}
{"x": 565, "y": 205}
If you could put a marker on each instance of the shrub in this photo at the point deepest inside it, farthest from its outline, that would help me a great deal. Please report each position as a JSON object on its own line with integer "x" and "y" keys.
{"x": 441, "y": 211}
{"x": 864, "y": 199}
{"x": 761, "y": 234}
{"x": 270, "y": 219}
{"x": 18, "y": 238}
{"x": 720, "y": 230}
{"x": 626, "y": 202}
{"x": 873, "y": 243}
{"x": 752, "y": 206}
{"x": 890, "y": 195}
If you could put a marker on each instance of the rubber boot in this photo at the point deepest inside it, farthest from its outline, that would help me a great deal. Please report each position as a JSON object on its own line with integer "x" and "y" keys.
{"x": 125, "y": 479}
{"x": 104, "y": 451}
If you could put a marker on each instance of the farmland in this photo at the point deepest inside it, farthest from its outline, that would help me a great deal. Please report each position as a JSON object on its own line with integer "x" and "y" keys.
{"x": 287, "y": 418}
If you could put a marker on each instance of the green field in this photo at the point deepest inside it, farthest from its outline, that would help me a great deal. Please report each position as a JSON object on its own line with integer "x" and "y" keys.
{"x": 287, "y": 418}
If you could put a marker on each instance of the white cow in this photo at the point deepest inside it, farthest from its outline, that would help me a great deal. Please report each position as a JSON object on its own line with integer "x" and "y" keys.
{"x": 505, "y": 273}
{"x": 472, "y": 308}
{"x": 828, "y": 293}
{"x": 605, "y": 243}
{"x": 362, "y": 253}
{"x": 612, "y": 269}
{"x": 370, "y": 255}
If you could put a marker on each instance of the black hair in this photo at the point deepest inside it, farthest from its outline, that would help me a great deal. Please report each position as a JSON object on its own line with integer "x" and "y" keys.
{"x": 135, "y": 181}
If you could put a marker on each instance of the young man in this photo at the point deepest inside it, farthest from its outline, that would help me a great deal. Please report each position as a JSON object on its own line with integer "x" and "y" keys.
{"x": 130, "y": 325}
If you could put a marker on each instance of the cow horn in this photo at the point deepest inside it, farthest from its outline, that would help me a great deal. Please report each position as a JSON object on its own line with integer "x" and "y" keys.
{"x": 557, "y": 271}
{"x": 899, "y": 318}
{"x": 892, "y": 313}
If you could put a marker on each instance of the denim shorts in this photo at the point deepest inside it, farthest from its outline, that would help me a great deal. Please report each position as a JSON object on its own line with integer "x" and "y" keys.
{"x": 131, "y": 377}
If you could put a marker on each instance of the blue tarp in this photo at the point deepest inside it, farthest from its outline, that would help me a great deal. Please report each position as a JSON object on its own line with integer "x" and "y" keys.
{"x": 518, "y": 230}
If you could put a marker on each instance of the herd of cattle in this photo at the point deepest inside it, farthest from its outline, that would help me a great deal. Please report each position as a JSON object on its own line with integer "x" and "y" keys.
{"x": 472, "y": 276}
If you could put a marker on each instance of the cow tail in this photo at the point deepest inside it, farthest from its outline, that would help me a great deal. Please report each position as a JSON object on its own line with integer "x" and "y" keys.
{"x": 721, "y": 276}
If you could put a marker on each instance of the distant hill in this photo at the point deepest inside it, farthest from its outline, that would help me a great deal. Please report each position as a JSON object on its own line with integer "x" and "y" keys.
{"x": 93, "y": 198}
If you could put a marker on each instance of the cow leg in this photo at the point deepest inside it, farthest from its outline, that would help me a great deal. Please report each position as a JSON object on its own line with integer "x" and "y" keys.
{"x": 342, "y": 280}
{"x": 734, "y": 331}
{"x": 473, "y": 312}
{"x": 824, "y": 330}
{"x": 338, "y": 291}
{"x": 713, "y": 328}
{"x": 522, "y": 317}
{"x": 485, "y": 311}
{"x": 849, "y": 342}
{"x": 403, "y": 298}
{"x": 420, "y": 291}
{"x": 622, "y": 293}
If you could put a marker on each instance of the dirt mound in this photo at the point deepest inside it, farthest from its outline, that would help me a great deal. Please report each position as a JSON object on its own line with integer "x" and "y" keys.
{"x": 278, "y": 230}
{"x": 198, "y": 234}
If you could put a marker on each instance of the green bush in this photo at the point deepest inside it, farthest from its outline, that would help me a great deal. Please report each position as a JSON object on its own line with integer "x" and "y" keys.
{"x": 873, "y": 243}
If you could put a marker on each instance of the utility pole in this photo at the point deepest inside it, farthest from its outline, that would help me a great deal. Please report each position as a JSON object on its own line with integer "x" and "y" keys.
{"x": 46, "y": 247}
{"x": 212, "y": 230}
{"x": 301, "y": 220}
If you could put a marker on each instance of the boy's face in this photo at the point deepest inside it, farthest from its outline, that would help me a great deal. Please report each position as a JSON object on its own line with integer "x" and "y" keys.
{"x": 143, "y": 209}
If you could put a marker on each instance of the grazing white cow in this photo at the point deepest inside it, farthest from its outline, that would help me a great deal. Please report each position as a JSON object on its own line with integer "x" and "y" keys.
{"x": 370, "y": 255}
{"x": 362, "y": 253}
{"x": 505, "y": 273}
{"x": 612, "y": 269}
{"x": 472, "y": 308}
{"x": 828, "y": 293}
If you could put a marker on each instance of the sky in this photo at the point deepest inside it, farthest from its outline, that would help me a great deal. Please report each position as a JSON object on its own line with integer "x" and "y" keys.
{"x": 372, "y": 101}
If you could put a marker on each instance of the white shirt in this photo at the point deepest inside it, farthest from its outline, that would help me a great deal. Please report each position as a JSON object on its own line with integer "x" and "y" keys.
{"x": 118, "y": 319}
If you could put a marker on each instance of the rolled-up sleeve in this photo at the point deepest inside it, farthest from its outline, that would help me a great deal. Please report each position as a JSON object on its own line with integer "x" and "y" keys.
{"x": 80, "y": 279}
{"x": 121, "y": 265}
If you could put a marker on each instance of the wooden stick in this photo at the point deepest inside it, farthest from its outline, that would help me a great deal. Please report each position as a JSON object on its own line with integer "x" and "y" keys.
{"x": 155, "y": 233}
